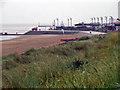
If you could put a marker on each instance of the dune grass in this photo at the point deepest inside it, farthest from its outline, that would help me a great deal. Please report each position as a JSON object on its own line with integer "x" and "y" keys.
{"x": 58, "y": 66}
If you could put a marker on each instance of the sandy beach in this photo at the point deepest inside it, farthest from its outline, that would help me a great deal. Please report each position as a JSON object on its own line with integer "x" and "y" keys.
{"x": 25, "y": 42}
{"x": 21, "y": 44}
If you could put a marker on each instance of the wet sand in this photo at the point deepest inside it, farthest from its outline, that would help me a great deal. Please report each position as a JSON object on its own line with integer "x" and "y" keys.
{"x": 21, "y": 44}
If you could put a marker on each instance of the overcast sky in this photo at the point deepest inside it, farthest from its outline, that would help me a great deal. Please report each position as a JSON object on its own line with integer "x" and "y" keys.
{"x": 45, "y": 11}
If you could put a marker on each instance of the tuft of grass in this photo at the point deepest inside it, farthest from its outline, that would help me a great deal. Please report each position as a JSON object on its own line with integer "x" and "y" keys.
{"x": 9, "y": 64}
{"x": 23, "y": 59}
{"x": 83, "y": 38}
{"x": 9, "y": 56}
{"x": 30, "y": 51}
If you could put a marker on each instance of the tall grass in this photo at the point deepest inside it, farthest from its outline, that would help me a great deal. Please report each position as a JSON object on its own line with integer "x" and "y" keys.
{"x": 53, "y": 67}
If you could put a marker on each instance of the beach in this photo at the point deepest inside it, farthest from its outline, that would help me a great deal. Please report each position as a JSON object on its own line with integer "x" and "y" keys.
{"x": 25, "y": 42}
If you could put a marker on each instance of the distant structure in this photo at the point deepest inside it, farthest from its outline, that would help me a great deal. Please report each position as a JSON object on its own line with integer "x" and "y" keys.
{"x": 104, "y": 24}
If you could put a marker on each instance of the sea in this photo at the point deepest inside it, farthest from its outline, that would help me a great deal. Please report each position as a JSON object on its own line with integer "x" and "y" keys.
{"x": 13, "y": 29}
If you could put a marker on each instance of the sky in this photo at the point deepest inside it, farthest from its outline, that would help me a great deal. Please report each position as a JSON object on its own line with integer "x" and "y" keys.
{"x": 46, "y": 11}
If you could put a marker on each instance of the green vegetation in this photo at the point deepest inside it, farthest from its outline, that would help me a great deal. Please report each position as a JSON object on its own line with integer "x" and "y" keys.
{"x": 90, "y": 63}
{"x": 9, "y": 56}
{"x": 83, "y": 38}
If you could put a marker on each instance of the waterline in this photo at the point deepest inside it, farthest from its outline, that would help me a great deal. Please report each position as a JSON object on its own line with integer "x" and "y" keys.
{"x": 8, "y": 37}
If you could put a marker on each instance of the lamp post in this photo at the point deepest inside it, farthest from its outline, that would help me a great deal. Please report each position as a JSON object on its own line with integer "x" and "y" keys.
{"x": 71, "y": 21}
{"x": 98, "y": 23}
{"x": 57, "y": 22}
{"x": 94, "y": 20}
{"x": 111, "y": 20}
{"x": 54, "y": 24}
{"x": 98, "y": 20}
{"x": 68, "y": 21}
{"x": 106, "y": 22}
{"x": 101, "y": 22}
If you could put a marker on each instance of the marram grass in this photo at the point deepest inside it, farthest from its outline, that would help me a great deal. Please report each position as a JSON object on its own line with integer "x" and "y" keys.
{"x": 52, "y": 67}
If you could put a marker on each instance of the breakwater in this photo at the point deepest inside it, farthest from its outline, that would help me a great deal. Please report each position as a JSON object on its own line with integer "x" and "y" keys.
{"x": 44, "y": 32}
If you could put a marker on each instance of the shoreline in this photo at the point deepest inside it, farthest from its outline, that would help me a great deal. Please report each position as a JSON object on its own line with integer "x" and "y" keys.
{"x": 25, "y": 42}
{"x": 19, "y": 35}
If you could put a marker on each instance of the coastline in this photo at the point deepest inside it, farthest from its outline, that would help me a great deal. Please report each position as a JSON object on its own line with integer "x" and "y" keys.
{"x": 8, "y": 37}
{"x": 47, "y": 32}
{"x": 25, "y": 42}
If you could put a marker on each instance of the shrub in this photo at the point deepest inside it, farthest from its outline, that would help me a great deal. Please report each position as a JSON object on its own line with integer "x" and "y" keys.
{"x": 30, "y": 51}
{"x": 83, "y": 38}
{"x": 9, "y": 56}
{"x": 77, "y": 64}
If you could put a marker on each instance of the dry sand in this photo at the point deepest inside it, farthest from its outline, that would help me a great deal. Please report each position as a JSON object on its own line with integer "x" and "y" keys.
{"x": 23, "y": 43}
{"x": 92, "y": 32}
